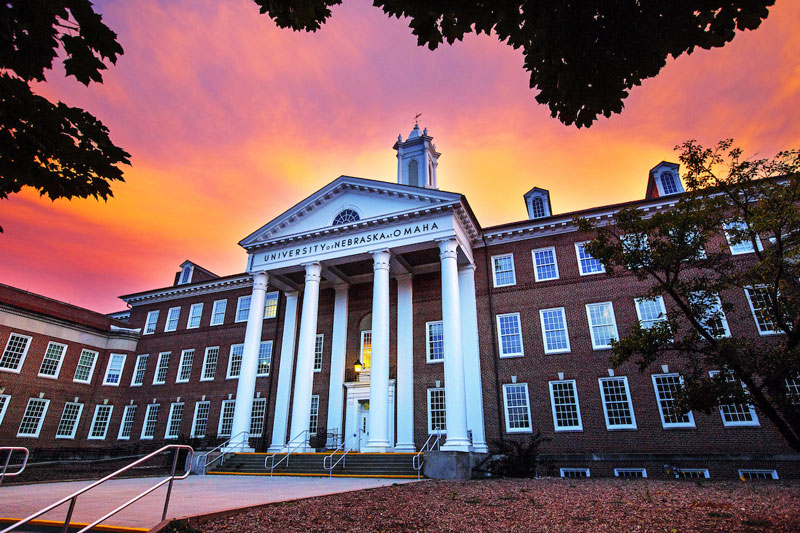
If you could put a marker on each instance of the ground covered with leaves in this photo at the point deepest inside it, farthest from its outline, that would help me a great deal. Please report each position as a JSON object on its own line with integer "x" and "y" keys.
{"x": 536, "y": 505}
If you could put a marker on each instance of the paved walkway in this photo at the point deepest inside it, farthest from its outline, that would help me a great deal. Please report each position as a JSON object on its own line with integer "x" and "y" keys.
{"x": 193, "y": 495}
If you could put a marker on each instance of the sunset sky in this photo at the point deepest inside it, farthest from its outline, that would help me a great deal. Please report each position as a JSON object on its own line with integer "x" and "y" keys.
{"x": 231, "y": 120}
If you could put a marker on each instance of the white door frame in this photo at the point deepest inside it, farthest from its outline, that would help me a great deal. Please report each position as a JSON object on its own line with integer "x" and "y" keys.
{"x": 359, "y": 391}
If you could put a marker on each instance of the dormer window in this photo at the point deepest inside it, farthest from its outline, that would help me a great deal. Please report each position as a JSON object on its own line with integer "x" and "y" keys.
{"x": 537, "y": 207}
{"x": 346, "y": 216}
{"x": 186, "y": 275}
{"x": 668, "y": 183}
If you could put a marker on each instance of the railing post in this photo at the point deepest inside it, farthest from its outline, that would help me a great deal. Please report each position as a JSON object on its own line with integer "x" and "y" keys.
{"x": 69, "y": 515}
{"x": 5, "y": 466}
{"x": 169, "y": 486}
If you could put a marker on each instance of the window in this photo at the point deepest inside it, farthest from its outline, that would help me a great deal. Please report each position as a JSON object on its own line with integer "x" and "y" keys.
{"x": 271, "y": 305}
{"x": 242, "y": 308}
{"x": 174, "y": 421}
{"x": 737, "y": 234}
{"x": 185, "y": 366}
{"x": 173, "y": 315}
{"x": 714, "y": 318}
{"x": 116, "y": 362}
{"x": 574, "y": 473}
{"x": 33, "y": 418}
{"x": 509, "y": 335}
{"x": 435, "y": 344}
{"x": 692, "y": 473}
{"x": 150, "y": 419}
{"x": 545, "y": 266}
{"x": 85, "y": 369}
{"x": 437, "y": 414}
{"x": 102, "y": 416}
{"x": 51, "y": 363}
{"x": 566, "y": 410}
{"x": 4, "y": 399}
{"x": 517, "y": 408}
{"x": 650, "y": 311}
{"x": 503, "y": 270}
{"x": 749, "y": 474}
{"x": 665, "y": 386}
{"x": 318, "y": 352}
{"x": 68, "y": 424}
{"x": 195, "y": 312}
{"x": 226, "y": 418}
{"x": 586, "y": 263}
{"x": 218, "y": 312}
{"x": 313, "y": 420}
{"x": 257, "y": 415}
{"x": 632, "y": 473}
{"x": 186, "y": 275}
{"x": 126, "y": 426}
{"x": 537, "y": 207}
{"x": 637, "y": 246}
{"x": 346, "y": 216}
{"x": 554, "y": 330}
{"x": 210, "y": 363}
{"x": 617, "y": 404}
{"x": 138, "y": 370}
{"x": 758, "y": 298}
{"x": 602, "y": 324}
{"x": 150, "y": 323}
{"x": 161, "y": 368}
{"x": 264, "y": 358}
{"x": 200, "y": 421}
{"x": 736, "y": 414}
{"x": 668, "y": 184}
{"x": 235, "y": 361}
{"x": 15, "y": 352}
{"x": 366, "y": 349}
{"x": 792, "y": 390}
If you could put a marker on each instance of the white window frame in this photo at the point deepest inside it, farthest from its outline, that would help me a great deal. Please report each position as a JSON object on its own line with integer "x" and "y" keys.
{"x": 642, "y": 471}
{"x": 595, "y": 346}
{"x": 181, "y": 363}
{"x": 361, "y": 350}
{"x": 268, "y": 299}
{"x": 192, "y": 316}
{"x": 428, "y": 342}
{"x": 726, "y": 226}
{"x": 704, "y": 474}
{"x": 239, "y": 308}
{"x": 161, "y": 357}
{"x": 501, "y": 351}
{"x": 129, "y": 407}
{"x": 734, "y": 424}
{"x": 228, "y": 374}
{"x": 313, "y": 417}
{"x": 513, "y": 270}
{"x": 90, "y": 375}
{"x": 578, "y": 246}
{"x": 186, "y": 275}
{"x": 659, "y": 301}
{"x": 61, "y": 358}
{"x": 768, "y": 471}
{"x": 319, "y": 349}
{"x": 140, "y": 359}
{"x": 222, "y": 418}
{"x": 585, "y": 471}
{"x": 172, "y": 407}
{"x": 509, "y": 429}
{"x": 431, "y": 429}
{"x": 108, "y": 369}
{"x": 664, "y": 423}
{"x": 97, "y": 409}
{"x": 4, "y": 406}
{"x": 536, "y": 264}
{"x": 150, "y": 323}
{"x": 71, "y": 436}
{"x": 609, "y": 425}
{"x": 761, "y": 332}
{"x": 255, "y": 416}
{"x": 269, "y": 363}
{"x": 170, "y": 318}
{"x": 150, "y": 408}
{"x": 720, "y": 314}
{"x": 40, "y": 423}
{"x": 215, "y": 312}
{"x": 204, "y": 403}
{"x": 203, "y": 376}
{"x": 579, "y": 426}
{"x": 23, "y": 355}
{"x": 544, "y": 332}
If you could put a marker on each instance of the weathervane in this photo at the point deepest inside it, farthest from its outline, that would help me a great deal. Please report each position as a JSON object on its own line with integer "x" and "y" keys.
{"x": 416, "y": 118}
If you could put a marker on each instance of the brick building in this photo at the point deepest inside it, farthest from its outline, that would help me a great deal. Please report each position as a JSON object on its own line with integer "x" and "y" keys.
{"x": 376, "y": 314}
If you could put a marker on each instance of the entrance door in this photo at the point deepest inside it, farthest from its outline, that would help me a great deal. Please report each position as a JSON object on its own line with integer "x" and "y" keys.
{"x": 363, "y": 425}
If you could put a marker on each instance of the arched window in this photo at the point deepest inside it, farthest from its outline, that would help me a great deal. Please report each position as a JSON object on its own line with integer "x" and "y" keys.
{"x": 537, "y": 207}
{"x": 413, "y": 172}
{"x": 668, "y": 183}
{"x": 365, "y": 353}
{"x": 346, "y": 216}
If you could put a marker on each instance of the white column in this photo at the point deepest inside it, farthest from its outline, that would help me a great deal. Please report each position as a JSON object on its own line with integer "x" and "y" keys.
{"x": 379, "y": 372}
{"x": 454, "y": 393}
{"x": 405, "y": 365}
{"x": 304, "y": 375}
{"x": 472, "y": 358}
{"x": 338, "y": 351}
{"x": 246, "y": 388}
{"x": 281, "y": 419}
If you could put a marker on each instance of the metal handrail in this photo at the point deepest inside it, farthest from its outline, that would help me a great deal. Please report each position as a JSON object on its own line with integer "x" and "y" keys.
{"x": 11, "y": 450}
{"x": 223, "y": 445}
{"x": 342, "y": 446}
{"x": 72, "y": 498}
{"x": 417, "y": 461}
{"x": 288, "y": 452}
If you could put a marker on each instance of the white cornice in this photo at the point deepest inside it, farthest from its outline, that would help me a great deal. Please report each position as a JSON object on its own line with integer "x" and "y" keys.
{"x": 183, "y": 291}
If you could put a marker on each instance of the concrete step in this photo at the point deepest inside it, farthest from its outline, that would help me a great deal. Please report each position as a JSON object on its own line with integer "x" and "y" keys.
{"x": 356, "y": 464}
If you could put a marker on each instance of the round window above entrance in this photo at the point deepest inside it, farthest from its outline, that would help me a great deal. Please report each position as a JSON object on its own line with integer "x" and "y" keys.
{"x": 346, "y": 216}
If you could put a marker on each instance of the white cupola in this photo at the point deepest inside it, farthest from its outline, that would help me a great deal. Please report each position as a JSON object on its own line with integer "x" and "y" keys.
{"x": 417, "y": 159}
{"x": 537, "y": 201}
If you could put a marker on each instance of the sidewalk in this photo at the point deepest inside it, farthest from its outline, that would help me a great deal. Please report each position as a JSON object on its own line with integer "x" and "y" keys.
{"x": 193, "y": 495}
